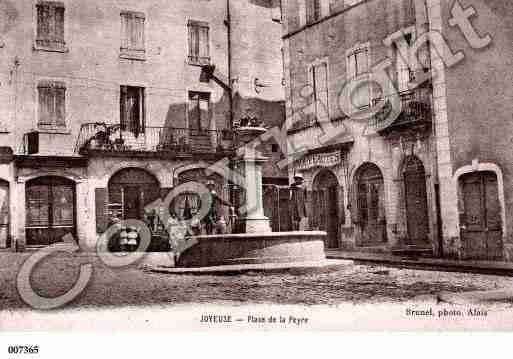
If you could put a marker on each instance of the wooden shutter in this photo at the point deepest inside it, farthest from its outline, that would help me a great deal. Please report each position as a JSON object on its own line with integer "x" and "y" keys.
{"x": 58, "y": 34}
{"x": 122, "y": 108}
{"x": 321, "y": 91}
{"x": 43, "y": 21}
{"x": 203, "y": 43}
{"x": 45, "y": 105}
{"x": 124, "y": 31}
{"x": 193, "y": 42}
{"x": 317, "y": 9}
{"x": 60, "y": 106}
{"x": 101, "y": 199}
{"x": 138, "y": 32}
{"x": 313, "y": 10}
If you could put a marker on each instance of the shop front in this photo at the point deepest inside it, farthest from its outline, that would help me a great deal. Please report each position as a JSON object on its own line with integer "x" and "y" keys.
{"x": 326, "y": 170}
{"x": 50, "y": 210}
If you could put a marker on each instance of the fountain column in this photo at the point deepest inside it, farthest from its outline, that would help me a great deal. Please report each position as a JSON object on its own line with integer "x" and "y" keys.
{"x": 251, "y": 162}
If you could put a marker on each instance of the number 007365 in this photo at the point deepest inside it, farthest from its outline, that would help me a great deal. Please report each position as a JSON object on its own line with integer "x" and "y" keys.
{"x": 23, "y": 349}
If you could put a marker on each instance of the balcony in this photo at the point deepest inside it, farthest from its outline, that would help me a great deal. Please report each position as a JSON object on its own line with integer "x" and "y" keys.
{"x": 108, "y": 139}
{"x": 415, "y": 114}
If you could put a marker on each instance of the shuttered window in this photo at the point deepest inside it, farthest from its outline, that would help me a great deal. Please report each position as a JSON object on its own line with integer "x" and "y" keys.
{"x": 358, "y": 62}
{"x": 357, "y": 66}
{"x": 199, "y": 110}
{"x": 132, "y": 35}
{"x": 199, "y": 47}
{"x": 50, "y": 26}
{"x": 132, "y": 112}
{"x": 313, "y": 10}
{"x": 405, "y": 73}
{"x": 319, "y": 82}
{"x": 52, "y": 104}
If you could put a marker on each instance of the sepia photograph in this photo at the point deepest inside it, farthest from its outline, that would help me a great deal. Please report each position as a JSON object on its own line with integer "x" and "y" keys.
{"x": 255, "y": 165}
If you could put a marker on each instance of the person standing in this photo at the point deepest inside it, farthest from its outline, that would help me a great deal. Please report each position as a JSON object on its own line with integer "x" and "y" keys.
{"x": 212, "y": 218}
{"x": 297, "y": 202}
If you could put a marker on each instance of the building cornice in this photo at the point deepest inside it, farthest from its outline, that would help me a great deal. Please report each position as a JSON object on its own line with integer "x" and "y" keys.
{"x": 326, "y": 18}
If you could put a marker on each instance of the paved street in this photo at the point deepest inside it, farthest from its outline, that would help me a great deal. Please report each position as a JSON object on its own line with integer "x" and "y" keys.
{"x": 362, "y": 284}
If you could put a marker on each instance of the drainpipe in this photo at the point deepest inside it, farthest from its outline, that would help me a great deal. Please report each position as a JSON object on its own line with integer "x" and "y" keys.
{"x": 228, "y": 24}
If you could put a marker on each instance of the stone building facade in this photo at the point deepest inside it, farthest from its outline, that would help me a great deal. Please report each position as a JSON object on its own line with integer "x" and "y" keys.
{"x": 108, "y": 105}
{"x": 430, "y": 178}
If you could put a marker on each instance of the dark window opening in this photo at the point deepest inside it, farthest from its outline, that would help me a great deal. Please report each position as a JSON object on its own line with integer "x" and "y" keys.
{"x": 199, "y": 110}
{"x": 132, "y": 109}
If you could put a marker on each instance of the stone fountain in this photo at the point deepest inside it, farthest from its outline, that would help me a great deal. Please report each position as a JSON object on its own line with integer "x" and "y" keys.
{"x": 258, "y": 245}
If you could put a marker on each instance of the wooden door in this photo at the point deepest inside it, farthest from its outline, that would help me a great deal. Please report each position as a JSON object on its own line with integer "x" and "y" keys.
{"x": 481, "y": 225}
{"x": 371, "y": 206}
{"x": 417, "y": 218}
{"x": 50, "y": 210}
{"x": 324, "y": 209}
{"x": 132, "y": 202}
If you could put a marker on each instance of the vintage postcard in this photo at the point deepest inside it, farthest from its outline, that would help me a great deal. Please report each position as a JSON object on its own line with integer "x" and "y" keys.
{"x": 255, "y": 165}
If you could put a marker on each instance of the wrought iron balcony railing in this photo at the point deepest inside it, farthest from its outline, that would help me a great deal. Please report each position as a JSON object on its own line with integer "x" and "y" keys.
{"x": 101, "y": 137}
{"x": 415, "y": 110}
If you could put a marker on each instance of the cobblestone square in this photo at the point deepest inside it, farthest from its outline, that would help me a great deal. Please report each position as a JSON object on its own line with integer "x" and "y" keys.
{"x": 133, "y": 286}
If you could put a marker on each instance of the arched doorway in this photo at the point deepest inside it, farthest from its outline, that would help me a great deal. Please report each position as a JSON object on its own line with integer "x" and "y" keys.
{"x": 480, "y": 221}
{"x": 4, "y": 214}
{"x": 370, "y": 203}
{"x": 130, "y": 191}
{"x": 187, "y": 204}
{"x": 325, "y": 213}
{"x": 415, "y": 195}
{"x": 50, "y": 212}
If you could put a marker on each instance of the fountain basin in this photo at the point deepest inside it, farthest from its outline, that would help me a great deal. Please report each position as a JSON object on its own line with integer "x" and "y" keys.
{"x": 254, "y": 248}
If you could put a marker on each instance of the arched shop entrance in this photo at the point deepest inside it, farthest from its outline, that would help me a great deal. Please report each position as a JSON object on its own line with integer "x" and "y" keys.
{"x": 325, "y": 206}
{"x": 4, "y": 214}
{"x": 187, "y": 204}
{"x": 370, "y": 205}
{"x": 130, "y": 191}
{"x": 417, "y": 217}
{"x": 50, "y": 212}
